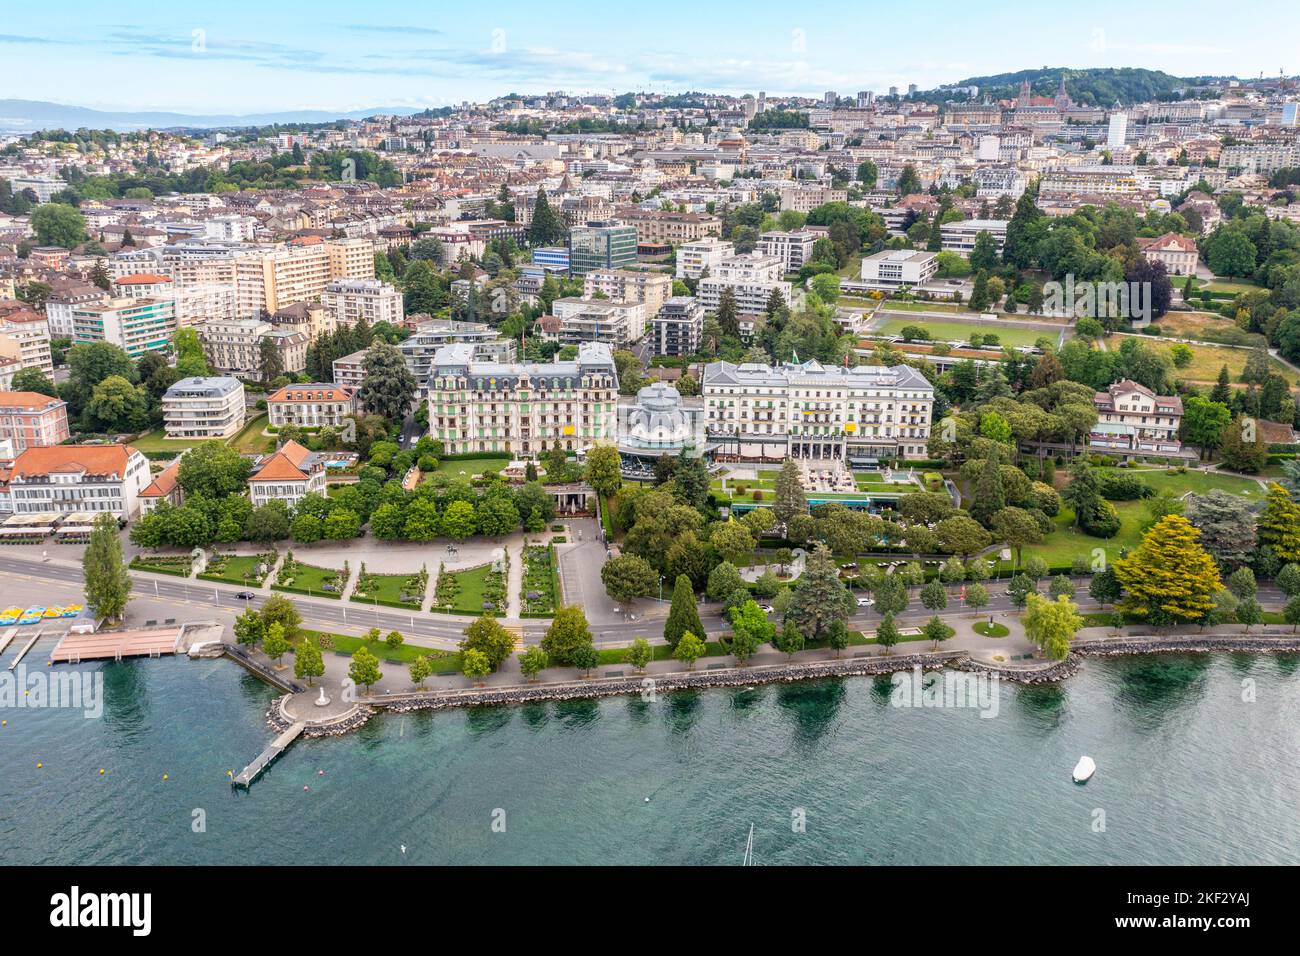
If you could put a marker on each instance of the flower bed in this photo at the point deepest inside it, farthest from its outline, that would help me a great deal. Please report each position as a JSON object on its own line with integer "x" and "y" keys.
{"x": 392, "y": 590}
{"x": 240, "y": 569}
{"x": 539, "y": 587}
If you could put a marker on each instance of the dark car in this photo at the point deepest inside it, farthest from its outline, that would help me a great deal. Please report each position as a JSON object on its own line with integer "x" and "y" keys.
{"x": 245, "y": 595}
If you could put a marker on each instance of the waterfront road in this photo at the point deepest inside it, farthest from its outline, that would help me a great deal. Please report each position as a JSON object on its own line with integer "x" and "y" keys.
{"x": 444, "y": 631}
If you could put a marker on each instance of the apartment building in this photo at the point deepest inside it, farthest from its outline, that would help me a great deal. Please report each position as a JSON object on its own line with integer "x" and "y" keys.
{"x": 601, "y": 245}
{"x": 1077, "y": 181}
{"x": 235, "y": 347}
{"x": 793, "y": 248}
{"x": 693, "y": 258}
{"x": 310, "y": 318}
{"x": 135, "y": 325}
{"x": 618, "y": 324}
{"x": 30, "y": 420}
{"x": 1260, "y": 159}
{"x": 523, "y": 409}
{"x": 65, "y": 298}
{"x": 311, "y": 406}
{"x": 288, "y": 474}
{"x": 25, "y": 337}
{"x": 666, "y": 227}
{"x": 678, "y": 327}
{"x": 349, "y": 370}
{"x": 810, "y": 410}
{"x": 63, "y": 479}
{"x": 625, "y": 285}
{"x": 993, "y": 182}
{"x": 1133, "y": 418}
{"x": 751, "y": 278}
{"x": 805, "y": 198}
{"x": 203, "y": 408}
{"x": 959, "y": 237}
{"x": 892, "y": 268}
{"x": 348, "y": 301}
{"x": 420, "y": 348}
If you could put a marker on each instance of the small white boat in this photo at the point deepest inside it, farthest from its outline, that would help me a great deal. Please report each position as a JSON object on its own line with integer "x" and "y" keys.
{"x": 1084, "y": 769}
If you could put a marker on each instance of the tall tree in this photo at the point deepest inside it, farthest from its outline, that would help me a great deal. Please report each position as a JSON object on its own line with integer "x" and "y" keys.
{"x": 388, "y": 388}
{"x": 1051, "y": 625}
{"x": 1169, "y": 578}
{"x": 789, "y": 497}
{"x": 683, "y": 615}
{"x": 108, "y": 584}
{"x": 819, "y": 596}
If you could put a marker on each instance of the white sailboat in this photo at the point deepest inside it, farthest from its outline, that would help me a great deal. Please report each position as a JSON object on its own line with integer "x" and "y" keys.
{"x": 1084, "y": 769}
{"x": 749, "y": 848}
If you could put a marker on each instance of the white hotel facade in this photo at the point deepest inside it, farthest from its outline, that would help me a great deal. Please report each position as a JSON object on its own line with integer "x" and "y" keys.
{"x": 522, "y": 408}
{"x": 810, "y": 410}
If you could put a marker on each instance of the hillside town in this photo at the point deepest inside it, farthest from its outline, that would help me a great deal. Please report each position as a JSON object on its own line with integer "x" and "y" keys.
{"x": 580, "y": 363}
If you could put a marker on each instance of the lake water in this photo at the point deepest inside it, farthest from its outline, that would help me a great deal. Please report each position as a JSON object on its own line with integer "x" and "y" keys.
{"x": 1188, "y": 772}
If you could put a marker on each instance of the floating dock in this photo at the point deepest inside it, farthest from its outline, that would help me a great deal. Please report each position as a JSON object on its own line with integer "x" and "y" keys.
{"x": 264, "y": 759}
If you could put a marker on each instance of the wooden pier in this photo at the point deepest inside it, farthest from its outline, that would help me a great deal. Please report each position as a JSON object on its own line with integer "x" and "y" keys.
{"x": 26, "y": 647}
{"x": 264, "y": 759}
{"x": 115, "y": 645}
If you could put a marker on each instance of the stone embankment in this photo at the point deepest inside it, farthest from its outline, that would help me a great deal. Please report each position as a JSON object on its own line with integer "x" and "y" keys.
{"x": 1191, "y": 644}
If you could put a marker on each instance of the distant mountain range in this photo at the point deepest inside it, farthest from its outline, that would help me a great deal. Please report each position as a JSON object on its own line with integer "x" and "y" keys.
{"x": 27, "y": 116}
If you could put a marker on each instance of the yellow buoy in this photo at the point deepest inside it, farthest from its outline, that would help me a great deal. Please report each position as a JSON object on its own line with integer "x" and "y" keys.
{"x": 164, "y": 776}
{"x": 39, "y": 766}
{"x": 101, "y": 771}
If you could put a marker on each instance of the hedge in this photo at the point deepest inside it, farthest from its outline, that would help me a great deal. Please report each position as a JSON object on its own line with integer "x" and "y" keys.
{"x": 293, "y": 589}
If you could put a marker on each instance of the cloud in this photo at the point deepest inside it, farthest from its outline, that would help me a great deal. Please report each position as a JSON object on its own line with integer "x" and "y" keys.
{"x": 14, "y": 38}
{"x": 383, "y": 28}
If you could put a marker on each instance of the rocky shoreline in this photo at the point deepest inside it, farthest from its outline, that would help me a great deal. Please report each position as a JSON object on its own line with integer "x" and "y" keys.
{"x": 1188, "y": 644}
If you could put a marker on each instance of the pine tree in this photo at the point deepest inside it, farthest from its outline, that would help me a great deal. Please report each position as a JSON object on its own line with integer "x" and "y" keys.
{"x": 728, "y": 317}
{"x": 1279, "y": 524}
{"x": 683, "y": 615}
{"x": 789, "y": 497}
{"x": 546, "y": 228}
{"x": 819, "y": 597}
{"x": 1169, "y": 578}
{"x": 990, "y": 498}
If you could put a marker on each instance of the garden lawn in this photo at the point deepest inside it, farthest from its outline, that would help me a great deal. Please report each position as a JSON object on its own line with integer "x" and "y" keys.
{"x": 251, "y": 441}
{"x": 444, "y": 662}
{"x": 1197, "y": 482}
{"x": 471, "y": 593}
{"x": 390, "y": 588}
{"x": 234, "y": 569}
{"x": 1067, "y": 542}
{"x": 1207, "y": 360}
{"x": 471, "y": 466}
{"x": 156, "y": 441}
{"x": 662, "y": 652}
{"x": 308, "y": 577}
{"x": 962, "y": 331}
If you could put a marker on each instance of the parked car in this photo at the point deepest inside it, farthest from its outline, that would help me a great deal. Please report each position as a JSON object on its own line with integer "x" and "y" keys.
{"x": 865, "y": 602}
{"x": 767, "y": 609}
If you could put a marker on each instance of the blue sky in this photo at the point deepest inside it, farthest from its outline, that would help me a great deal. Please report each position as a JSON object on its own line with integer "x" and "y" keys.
{"x": 239, "y": 56}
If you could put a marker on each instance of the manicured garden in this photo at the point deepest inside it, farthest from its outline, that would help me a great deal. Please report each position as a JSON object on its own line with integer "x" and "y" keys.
{"x": 179, "y": 565}
{"x": 469, "y": 467}
{"x": 393, "y": 590}
{"x": 297, "y": 577}
{"x": 540, "y": 587}
{"x": 157, "y": 441}
{"x": 444, "y": 662}
{"x": 239, "y": 569}
{"x": 473, "y": 591}
{"x": 991, "y": 630}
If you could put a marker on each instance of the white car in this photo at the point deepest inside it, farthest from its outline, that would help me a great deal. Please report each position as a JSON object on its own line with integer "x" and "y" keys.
{"x": 767, "y": 609}
{"x": 865, "y": 602}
